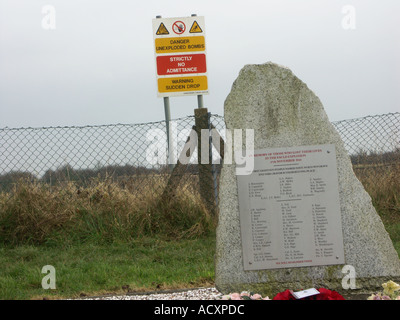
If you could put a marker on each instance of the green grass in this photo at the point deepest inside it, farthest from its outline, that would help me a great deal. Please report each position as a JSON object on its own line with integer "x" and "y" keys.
{"x": 95, "y": 269}
{"x": 91, "y": 269}
{"x": 101, "y": 239}
{"x": 394, "y": 231}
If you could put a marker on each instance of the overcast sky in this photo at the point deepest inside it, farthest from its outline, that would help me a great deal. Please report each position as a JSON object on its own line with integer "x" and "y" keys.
{"x": 98, "y": 66}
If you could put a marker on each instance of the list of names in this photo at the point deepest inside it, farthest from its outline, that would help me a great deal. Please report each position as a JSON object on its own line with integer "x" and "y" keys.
{"x": 289, "y": 209}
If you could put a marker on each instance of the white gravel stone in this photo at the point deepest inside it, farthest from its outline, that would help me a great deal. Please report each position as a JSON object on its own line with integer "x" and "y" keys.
{"x": 192, "y": 294}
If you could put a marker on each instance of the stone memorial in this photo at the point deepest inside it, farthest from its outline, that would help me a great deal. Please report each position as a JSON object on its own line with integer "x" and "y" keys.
{"x": 301, "y": 215}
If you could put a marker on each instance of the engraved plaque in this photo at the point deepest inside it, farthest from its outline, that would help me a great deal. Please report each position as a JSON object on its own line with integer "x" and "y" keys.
{"x": 289, "y": 209}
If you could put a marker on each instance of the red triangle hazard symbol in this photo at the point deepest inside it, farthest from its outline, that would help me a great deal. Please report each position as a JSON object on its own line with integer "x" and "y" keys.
{"x": 162, "y": 30}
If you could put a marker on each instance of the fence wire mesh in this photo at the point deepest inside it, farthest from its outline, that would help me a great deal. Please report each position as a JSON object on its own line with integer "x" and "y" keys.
{"x": 373, "y": 143}
{"x": 372, "y": 135}
{"x": 134, "y": 156}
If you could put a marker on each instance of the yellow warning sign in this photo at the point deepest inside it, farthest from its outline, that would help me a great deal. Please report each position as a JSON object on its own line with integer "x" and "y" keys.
{"x": 182, "y": 84}
{"x": 162, "y": 30}
{"x": 195, "y": 28}
{"x": 180, "y": 44}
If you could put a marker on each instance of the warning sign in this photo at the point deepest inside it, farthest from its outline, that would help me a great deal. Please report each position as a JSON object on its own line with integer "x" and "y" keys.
{"x": 162, "y": 29}
{"x": 180, "y": 44}
{"x": 195, "y": 28}
{"x": 178, "y": 27}
{"x": 180, "y": 54}
{"x": 183, "y": 84}
{"x": 181, "y": 64}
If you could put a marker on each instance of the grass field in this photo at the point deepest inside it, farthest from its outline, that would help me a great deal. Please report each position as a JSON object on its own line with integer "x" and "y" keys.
{"x": 100, "y": 239}
{"x": 93, "y": 269}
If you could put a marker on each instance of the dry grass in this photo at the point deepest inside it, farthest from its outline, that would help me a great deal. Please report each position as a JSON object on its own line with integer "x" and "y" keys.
{"x": 36, "y": 213}
{"x": 106, "y": 211}
{"x": 382, "y": 182}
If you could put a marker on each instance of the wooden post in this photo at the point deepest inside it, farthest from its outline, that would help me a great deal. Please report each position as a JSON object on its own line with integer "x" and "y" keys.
{"x": 177, "y": 174}
{"x": 206, "y": 179}
{"x": 204, "y": 165}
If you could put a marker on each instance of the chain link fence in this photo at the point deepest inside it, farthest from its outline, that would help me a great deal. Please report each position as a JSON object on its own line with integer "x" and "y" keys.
{"x": 373, "y": 143}
{"x": 134, "y": 157}
{"x": 127, "y": 157}
{"x": 375, "y": 139}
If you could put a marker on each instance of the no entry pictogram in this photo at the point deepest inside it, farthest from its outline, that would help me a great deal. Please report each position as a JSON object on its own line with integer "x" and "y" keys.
{"x": 178, "y": 27}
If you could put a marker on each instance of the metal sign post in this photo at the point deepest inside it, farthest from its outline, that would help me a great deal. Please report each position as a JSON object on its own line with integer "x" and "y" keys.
{"x": 180, "y": 54}
{"x": 200, "y": 101}
{"x": 170, "y": 143}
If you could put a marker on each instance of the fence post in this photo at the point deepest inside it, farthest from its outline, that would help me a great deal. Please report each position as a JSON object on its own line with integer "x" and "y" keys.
{"x": 213, "y": 169}
{"x": 176, "y": 175}
{"x": 206, "y": 183}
